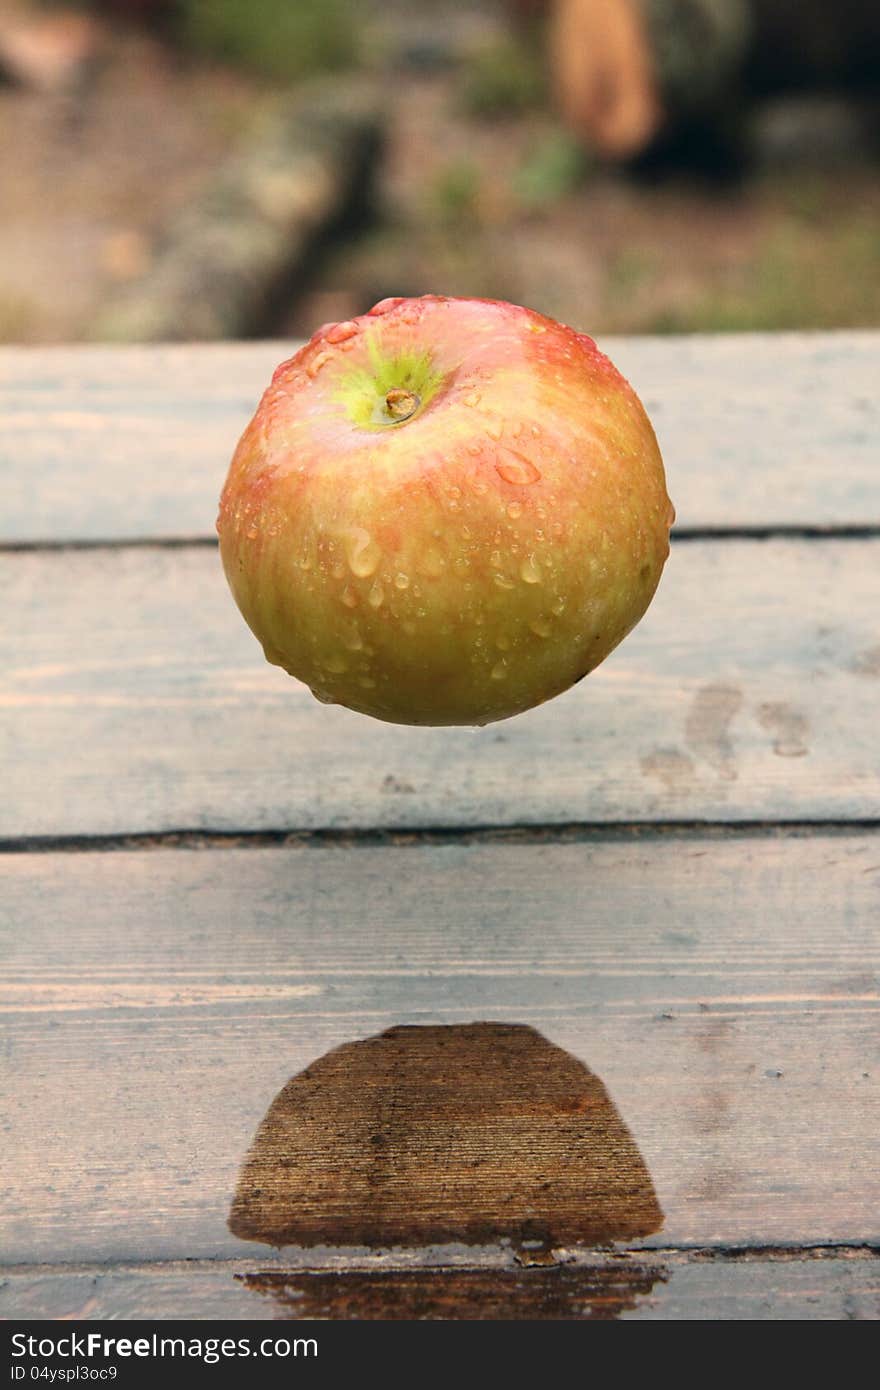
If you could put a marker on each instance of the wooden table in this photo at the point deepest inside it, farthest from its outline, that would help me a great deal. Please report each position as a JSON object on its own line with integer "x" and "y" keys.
{"x": 210, "y": 881}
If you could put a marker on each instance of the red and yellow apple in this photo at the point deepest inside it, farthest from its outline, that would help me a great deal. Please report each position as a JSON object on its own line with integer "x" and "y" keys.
{"x": 444, "y": 512}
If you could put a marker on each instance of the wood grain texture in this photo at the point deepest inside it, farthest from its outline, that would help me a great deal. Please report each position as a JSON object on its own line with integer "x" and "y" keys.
{"x": 130, "y": 443}
{"x": 474, "y": 1133}
{"x": 133, "y": 699}
{"x": 837, "y": 1287}
{"x": 725, "y": 991}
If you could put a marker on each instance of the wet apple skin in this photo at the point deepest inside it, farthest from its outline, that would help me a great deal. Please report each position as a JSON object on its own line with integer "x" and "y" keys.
{"x": 469, "y": 562}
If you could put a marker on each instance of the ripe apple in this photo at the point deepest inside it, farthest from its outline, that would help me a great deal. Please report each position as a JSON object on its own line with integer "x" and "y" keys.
{"x": 445, "y": 511}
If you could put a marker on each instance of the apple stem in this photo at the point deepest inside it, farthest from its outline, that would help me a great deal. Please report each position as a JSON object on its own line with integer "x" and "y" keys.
{"x": 401, "y": 404}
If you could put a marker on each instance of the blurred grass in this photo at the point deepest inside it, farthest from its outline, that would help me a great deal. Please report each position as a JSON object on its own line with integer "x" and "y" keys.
{"x": 553, "y": 169}
{"x": 799, "y": 279}
{"x": 453, "y": 195}
{"x": 280, "y": 39}
{"x": 502, "y": 79}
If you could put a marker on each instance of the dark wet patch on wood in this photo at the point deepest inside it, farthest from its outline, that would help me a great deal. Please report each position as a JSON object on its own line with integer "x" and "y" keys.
{"x": 427, "y": 1135}
{"x": 597, "y": 1293}
{"x": 707, "y": 727}
{"x": 788, "y": 725}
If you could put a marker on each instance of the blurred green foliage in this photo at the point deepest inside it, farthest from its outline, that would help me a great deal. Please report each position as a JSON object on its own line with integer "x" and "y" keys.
{"x": 555, "y": 167}
{"x": 281, "y": 39}
{"x": 502, "y": 79}
{"x": 630, "y": 270}
{"x": 453, "y": 196}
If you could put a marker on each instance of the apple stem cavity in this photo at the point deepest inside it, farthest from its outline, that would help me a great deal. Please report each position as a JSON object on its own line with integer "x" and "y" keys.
{"x": 401, "y": 404}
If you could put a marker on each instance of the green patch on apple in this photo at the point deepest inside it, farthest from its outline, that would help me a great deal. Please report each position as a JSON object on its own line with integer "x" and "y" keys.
{"x": 392, "y": 389}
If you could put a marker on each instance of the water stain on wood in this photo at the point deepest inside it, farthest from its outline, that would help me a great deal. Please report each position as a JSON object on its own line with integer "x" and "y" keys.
{"x": 564, "y": 1292}
{"x": 674, "y": 769}
{"x": 789, "y": 727}
{"x": 707, "y": 727}
{"x": 428, "y": 1135}
{"x": 867, "y": 663}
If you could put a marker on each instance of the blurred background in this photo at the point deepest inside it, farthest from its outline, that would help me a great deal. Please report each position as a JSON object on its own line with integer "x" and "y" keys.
{"x": 197, "y": 169}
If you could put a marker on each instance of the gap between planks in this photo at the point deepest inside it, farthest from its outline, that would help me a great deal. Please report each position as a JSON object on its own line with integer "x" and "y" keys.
{"x": 438, "y": 1258}
{"x": 596, "y": 832}
{"x": 683, "y": 534}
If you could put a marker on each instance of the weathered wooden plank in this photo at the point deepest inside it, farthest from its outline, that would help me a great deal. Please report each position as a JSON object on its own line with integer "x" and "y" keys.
{"x": 135, "y": 700}
{"x": 677, "y": 1287}
{"x": 722, "y": 990}
{"x": 132, "y": 443}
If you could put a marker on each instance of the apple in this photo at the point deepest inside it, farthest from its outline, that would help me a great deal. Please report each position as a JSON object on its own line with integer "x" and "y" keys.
{"x": 445, "y": 511}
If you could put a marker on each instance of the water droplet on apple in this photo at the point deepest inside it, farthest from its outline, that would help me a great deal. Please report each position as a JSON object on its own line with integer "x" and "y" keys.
{"x": 472, "y": 398}
{"x": 559, "y": 606}
{"x": 353, "y": 642}
{"x": 338, "y": 571}
{"x": 499, "y": 670}
{"x": 341, "y": 331}
{"x": 517, "y": 470}
{"x": 349, "y": 597}
{"x": 495, "y": 429}
{"x": 514, "y": 510}
{"x": 530, "y": 571}
{"x": 541, "y": 627}
{"x": 495, "y": 559}
{"x": 366, "y": 682}
{"x": 401, "y": 581}
{"x": 386, "y": 305}
{"x": 432, "y": 563}
{"x": 503, "y": 643}
{"x": 376, "y": 596}
{"x": 335, "y": 665}
{"x": 314, "y": 365}
{"x": 461, "y": 564}
{"x": 503, "y": 582}
{"x": 361, "y": 551}
{"x": 481, "y": 487}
